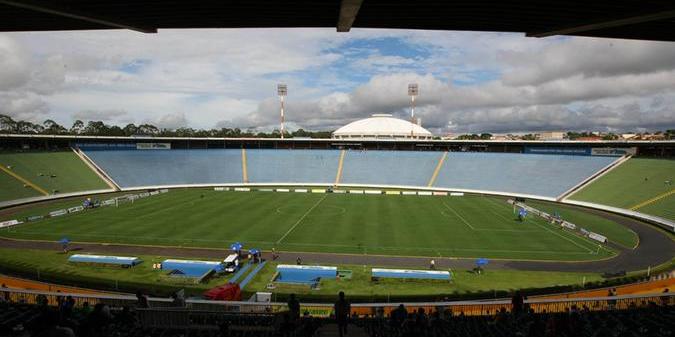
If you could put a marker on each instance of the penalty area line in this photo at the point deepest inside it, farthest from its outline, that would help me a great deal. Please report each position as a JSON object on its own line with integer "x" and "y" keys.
{"x": 301, "y": 218}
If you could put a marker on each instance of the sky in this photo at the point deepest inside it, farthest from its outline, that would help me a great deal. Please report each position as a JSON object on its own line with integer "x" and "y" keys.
{"x": 469, "y": 82}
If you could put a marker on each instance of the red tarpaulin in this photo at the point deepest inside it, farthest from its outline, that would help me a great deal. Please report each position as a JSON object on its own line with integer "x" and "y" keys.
{"x": 227, "y": 292}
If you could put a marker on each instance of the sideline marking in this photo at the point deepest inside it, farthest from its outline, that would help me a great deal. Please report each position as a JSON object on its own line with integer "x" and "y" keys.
{"x": 338, "y": 176}
{"x": 438, "y": 169}
{"x": 459, "y": 216}
{"x": 445, "y": 213}
{"x": 244, "y": 169}
{"x": 301, "y": 218}
{"x": 558, "y": 234}
{"x": 653, "y": 200}
{"x": 23, "y": 180}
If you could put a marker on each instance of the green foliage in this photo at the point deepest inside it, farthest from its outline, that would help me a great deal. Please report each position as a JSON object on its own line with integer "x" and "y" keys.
{"x": 99, "y": 128}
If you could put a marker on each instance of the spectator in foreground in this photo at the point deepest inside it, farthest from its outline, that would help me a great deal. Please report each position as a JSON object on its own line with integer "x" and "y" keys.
{"x": 665, "y": 299}
{"x": 178, "y": 299}
{"x": 342, "y": 310}
{"x": 293, "y": 308}
{"x": 5, "y": 294}
{"x": 399, "y": 315}
{"x": 517, "y": 303}
{"x": 611, "y": 303}
{"x": 142, "y": 300}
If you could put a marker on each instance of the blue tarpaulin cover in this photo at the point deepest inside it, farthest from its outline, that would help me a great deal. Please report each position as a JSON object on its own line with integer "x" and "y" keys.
{"x": 102, "y": 259}
{"x": 191, "y": 268}
{"x": 482, "y": 261}
{"x": 416, "y": 274}
{"x": 289, "y": 273}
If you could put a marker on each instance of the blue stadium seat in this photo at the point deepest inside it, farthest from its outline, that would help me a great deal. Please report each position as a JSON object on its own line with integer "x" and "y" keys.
{"x": 131, "y": 168}
{"x": 409, "y": 168}
{"x": 292, "y": 166}
{"x": 542, "y": 175}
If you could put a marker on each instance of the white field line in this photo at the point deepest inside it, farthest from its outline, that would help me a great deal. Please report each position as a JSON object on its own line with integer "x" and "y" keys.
{"x": 301, "y": 218}
{"x": 457, "y": 214}
{"x": 558, "y": 234}
{"x": 497, "y": 214}
{"x": 444, "y": 213}
{"x": 548, "y": 228}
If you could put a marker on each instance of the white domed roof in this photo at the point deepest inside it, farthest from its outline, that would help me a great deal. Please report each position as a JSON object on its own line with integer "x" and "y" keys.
{"x": 382, "y": 126}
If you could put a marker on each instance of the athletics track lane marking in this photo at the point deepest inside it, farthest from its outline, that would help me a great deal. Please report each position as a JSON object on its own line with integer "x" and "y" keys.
{"x": 433, "y": 249}
{"x": 301, "y": 218}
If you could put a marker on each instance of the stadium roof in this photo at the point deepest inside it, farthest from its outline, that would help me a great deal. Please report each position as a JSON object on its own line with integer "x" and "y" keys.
{"x": 382, "y": 126}
{"x": 630, "y": 19}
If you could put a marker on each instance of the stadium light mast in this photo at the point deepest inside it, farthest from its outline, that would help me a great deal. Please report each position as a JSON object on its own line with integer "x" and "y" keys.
{"x": 413, "y": 91}
{"x": 282, "y": 91}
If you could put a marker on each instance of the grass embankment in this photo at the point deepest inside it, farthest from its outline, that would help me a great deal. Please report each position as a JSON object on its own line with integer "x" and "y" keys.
{"x": 632, "y": 183}
{"x": 464, "y": 284}
{"x": 54, "y": 172}
{"x": 469, "y": 226}
{"x": 52, "y": 266}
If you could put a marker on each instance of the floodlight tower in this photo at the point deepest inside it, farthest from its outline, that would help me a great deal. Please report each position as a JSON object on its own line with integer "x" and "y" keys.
{"x": 282, "y": 91}
{"x": 413, "y": 91}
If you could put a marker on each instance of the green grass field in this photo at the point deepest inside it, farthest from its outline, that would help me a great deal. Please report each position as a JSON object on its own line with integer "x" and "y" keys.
{"x": 614, "y": 232}
{"x": 71, "y": 174}
{"x": 469, "y": 226}
{"x": 635, "y": 181}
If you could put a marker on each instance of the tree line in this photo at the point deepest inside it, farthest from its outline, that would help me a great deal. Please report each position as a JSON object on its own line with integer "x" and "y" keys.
{"x": 99, "y": 128}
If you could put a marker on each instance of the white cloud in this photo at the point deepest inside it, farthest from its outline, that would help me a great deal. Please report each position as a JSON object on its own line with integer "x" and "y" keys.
{"x": 209, "y": 78}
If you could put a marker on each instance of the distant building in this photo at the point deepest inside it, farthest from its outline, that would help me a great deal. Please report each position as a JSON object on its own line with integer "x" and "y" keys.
{"x": 627, "y": 136}
{"x": 589, "y": 139}
{"x": 551, "y": 135}
{"x": 500, "y": 137}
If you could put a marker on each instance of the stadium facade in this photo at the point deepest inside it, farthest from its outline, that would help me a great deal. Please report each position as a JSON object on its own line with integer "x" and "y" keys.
{"x": 662, "y": 148}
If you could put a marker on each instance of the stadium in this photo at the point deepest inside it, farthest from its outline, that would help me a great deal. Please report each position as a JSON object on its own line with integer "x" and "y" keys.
{"x": 218, "y": 236}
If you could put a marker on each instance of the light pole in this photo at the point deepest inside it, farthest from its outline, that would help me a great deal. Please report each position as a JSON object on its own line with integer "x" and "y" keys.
{"x": 413, "y": 91}
{"x": 282, "y": 91}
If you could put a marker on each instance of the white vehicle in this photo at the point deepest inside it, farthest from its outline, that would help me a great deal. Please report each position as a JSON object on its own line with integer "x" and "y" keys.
{"x": 231, "y": 263}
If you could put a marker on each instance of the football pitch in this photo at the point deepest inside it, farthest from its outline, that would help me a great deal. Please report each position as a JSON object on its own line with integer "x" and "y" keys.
{"x": 434, "y": 226}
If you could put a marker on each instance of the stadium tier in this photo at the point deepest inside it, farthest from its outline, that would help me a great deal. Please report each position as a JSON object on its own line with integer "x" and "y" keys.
{"x": 35, "y": 174}
{"x": 541, "y": 175}
{"x": 407, "y": 168}
{"x": 132, "y": 168}
{"x": 292, "y": 166}
{"x": 643, "y": 185}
